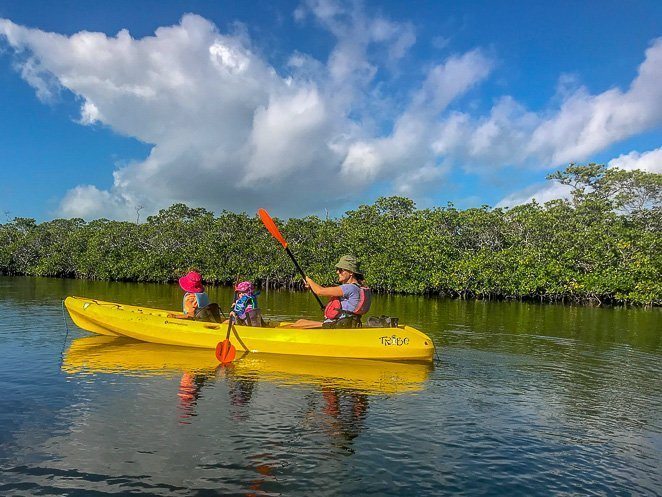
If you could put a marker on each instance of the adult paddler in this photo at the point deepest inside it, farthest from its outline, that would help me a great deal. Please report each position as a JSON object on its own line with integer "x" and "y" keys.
{"x": 349, "y": 300}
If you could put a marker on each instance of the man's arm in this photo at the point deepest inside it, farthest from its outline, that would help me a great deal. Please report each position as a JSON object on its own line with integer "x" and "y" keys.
{"x": 322, "y": 291}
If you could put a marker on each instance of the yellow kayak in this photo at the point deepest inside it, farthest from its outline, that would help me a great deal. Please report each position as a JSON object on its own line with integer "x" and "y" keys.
{"x": 116, "y": 355}
{"x": 403, "y": 343}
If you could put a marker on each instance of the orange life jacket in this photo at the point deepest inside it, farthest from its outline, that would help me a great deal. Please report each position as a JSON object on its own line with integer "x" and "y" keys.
{"x": 334, "y": 310}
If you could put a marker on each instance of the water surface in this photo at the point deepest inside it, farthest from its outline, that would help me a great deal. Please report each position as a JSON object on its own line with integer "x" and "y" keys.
{"x": 525, "y": 400}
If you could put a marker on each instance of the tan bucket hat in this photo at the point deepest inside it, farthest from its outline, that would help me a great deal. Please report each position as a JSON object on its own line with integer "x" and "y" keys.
{"x": 350, "y": 263}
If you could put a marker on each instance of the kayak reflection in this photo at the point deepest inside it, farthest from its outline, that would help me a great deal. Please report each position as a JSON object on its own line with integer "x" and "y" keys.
{"x": 104, "y": 354}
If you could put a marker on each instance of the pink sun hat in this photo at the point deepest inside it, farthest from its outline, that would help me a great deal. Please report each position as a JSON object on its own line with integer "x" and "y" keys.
{"x": 244, "y": 287}
{"x": 191, "y": 282}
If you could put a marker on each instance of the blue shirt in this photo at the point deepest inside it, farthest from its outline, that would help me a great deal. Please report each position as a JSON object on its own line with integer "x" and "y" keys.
{"x": 351, "y": 295}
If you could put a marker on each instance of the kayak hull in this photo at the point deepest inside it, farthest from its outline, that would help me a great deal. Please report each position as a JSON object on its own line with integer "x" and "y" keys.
{"x": 153, "y": 325}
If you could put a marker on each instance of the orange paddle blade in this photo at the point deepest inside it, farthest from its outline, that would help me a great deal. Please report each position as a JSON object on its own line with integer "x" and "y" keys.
{"x": 225, "y": 352}
{"x": 271, "y": 226}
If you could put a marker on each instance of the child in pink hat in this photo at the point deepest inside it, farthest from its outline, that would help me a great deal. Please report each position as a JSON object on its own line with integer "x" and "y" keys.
{"x": 195, "y": 297}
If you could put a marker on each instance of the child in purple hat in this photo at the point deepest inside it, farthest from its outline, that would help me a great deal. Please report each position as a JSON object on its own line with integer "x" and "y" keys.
{"x": 244, "y": 307}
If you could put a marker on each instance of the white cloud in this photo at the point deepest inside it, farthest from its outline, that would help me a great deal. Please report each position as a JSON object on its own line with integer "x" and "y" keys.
{"x": 586, "y": 124}
{"x": 541, "y": 193}
{"x": 89, "y": 114}
{"x": 288, "y": 135}
{"x": 352, "y": 64}
{"x": 583, "y": 124}
{"x": 420, "y": 181}
{"x": 87, "y": 201}
{"x": 412, "y": 139}
{"x": 229, "y": 130}
{"x": 223, "y": 124}
{"x": 650, "y": 161}
{"x": 445, "y": 82}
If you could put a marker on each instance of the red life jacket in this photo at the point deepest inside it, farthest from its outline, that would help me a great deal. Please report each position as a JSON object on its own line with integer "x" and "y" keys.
{"x": 334, "y": 310}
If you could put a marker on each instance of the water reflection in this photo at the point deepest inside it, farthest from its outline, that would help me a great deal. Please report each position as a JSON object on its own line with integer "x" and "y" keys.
{"x": 329, "y": 404}
{"x": 343, "y": 386}
{"x": 346, "y": 411}
{"x": 190, "y": 386}
{"x": 265, "y": 475}
{"x": 240, "y": 392}
{"x": 102, "y": 354}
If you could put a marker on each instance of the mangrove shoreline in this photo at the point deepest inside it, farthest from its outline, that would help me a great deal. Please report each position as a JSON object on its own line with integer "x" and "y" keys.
{"x": 604, "y": 245}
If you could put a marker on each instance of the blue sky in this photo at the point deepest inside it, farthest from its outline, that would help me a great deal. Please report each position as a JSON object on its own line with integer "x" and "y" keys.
{"x": 306, "y": 106}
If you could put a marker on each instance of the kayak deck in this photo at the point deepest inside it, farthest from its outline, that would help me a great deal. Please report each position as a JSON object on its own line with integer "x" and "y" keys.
{"x": 403, "y": 343}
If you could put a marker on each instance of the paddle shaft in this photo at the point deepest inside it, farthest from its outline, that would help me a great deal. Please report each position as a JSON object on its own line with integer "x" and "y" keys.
{"x": 273, "y": 229}
{"x": 225, "y": 351}
{"x": 227, "y": 335}
{"x": 303, "y": 275}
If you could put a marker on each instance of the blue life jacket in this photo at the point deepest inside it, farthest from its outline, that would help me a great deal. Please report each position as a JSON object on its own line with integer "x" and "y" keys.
{"x": 241, "y": 304}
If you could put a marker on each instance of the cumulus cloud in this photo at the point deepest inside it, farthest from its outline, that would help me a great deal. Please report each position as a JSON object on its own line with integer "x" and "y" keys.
{"x": 87, "y": 201}
{"x": 582, "y": 125}
{"x": 650, "y": 161}
{"x": 541, "y": 193}
{"x": 357, "y": 34}
{"x": 220, "y": 119}
{"x": 227, "y": 129}
{"x": 412, "y": 138}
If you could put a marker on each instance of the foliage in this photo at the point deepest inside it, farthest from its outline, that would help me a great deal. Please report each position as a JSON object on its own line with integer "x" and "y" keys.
{"x": 602, "y": 245}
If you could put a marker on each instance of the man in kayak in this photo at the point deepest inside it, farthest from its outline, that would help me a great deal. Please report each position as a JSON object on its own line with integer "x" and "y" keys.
{"x": 349, "y": 300}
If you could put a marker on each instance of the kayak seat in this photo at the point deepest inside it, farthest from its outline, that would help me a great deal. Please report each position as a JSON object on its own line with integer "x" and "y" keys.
{"x": 253, "y": 318}
{"x": 210, "y": 313}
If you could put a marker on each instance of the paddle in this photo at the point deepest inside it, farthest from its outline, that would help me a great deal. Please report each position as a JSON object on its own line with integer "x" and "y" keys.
{"x": 225, "y": 351}
{"x": 273, "y": 229}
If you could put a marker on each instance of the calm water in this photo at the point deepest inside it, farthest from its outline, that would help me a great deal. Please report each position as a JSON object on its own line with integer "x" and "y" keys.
{"x": 525, "y": 400}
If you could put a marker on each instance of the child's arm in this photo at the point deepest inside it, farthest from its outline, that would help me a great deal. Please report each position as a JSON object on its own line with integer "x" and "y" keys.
{"x": 190, "y": 306}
